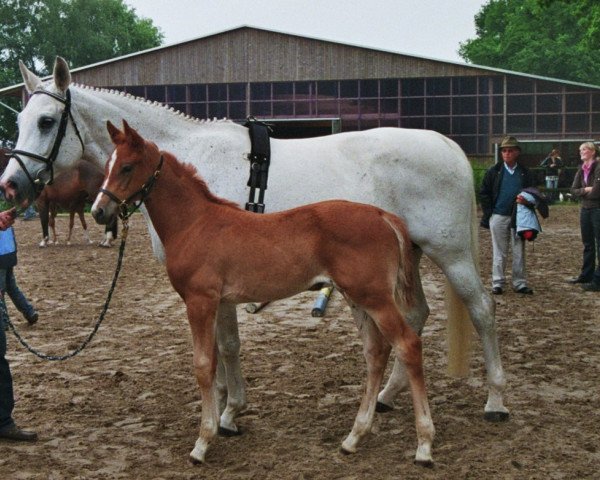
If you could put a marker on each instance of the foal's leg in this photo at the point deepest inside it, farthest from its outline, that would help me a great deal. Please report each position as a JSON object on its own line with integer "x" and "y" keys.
{"x": 230, "y": 372}
{"x": 202, "y": 312}
{"x": 416, "y": 318}
{"x": 407, "y": 346}
{"x": 376, "y": 351}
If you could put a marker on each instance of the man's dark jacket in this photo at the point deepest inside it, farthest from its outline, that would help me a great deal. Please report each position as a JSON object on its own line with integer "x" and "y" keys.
{"x": 490, "y": 187}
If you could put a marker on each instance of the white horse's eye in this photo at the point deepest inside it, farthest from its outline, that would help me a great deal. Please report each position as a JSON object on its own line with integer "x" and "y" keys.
{"x": 46, "y": 123}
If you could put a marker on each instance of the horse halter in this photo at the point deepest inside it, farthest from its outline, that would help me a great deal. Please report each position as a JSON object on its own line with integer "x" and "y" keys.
{"x": 143, "y": 192}
{"x": 37, "y": 184}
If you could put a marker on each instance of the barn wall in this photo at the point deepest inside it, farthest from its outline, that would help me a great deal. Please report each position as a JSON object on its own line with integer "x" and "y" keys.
{"x": 251, "y": 55}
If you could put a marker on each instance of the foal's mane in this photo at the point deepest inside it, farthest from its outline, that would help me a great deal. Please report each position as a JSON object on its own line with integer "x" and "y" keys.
{"x": 185, "y": 170}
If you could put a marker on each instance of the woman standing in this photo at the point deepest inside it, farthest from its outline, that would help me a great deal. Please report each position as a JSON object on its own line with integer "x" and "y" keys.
{"x": 586, "y": 187}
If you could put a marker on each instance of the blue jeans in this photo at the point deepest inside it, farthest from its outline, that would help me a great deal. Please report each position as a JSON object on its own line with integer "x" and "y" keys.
{"x": 8, "y": 284}
{"x": 7, "y": 399}
{"x": 589, "y": 221}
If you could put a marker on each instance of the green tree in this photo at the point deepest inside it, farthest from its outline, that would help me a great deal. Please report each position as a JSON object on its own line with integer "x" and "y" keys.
{"x": 82, "y": 31}
{"x": 552, "y": 38}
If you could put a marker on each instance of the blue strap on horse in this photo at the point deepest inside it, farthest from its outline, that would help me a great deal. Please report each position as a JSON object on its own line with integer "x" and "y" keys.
{"x": 260, "y": 159}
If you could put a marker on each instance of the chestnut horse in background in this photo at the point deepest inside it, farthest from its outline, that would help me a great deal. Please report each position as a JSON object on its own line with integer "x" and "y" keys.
{"x": 71, "y": 191}
{"x": 218, "y": 254}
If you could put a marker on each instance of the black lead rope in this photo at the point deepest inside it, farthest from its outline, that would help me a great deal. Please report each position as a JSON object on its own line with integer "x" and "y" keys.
{"x": 44, "y": 356}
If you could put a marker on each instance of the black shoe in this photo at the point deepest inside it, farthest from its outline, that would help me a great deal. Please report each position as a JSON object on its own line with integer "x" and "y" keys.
{"x": 15, "y": 433}
{"x": 497, "y": 291}
{"x": 33, "y": 318}
{"x": 591, "y": 287}
{"x": 578, "y": 280}
{"x": 525, "y": 291}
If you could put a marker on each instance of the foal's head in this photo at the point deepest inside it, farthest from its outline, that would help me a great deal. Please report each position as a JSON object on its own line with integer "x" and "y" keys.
{"x": 128, "y": 175}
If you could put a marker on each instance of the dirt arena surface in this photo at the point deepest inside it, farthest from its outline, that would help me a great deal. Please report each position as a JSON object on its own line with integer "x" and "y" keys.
{"x": 128, "y": 407}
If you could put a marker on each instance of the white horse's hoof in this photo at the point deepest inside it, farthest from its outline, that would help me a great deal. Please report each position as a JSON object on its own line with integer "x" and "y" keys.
{"x": 69, "y": 242}
{"x": 228, "y": 432}
{"x": 381, "y": 407}
{"x": 424, "y": 463}
{"x": 496, "y": 417}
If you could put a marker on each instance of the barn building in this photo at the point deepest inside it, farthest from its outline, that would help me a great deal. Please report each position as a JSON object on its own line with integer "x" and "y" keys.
{"x": 308, "y": 86}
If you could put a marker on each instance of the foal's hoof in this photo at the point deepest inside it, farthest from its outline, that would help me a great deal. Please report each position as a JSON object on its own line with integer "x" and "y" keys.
{"x": 383, "y": 408}
{"x": 424, "y": 463}
{"x": 346, "y": 451}
{"x": 496, "y": 417}
{"x": 226, "y": 432}
{"x": 195, "y": 461}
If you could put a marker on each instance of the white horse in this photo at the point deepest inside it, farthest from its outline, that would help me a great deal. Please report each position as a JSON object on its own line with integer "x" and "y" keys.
{"x": 419, "y": 175}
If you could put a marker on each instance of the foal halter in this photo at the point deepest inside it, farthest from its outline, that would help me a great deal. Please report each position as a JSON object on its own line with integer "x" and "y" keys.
{"x": 37, "y": 184}
{"x": 143, "y": 192}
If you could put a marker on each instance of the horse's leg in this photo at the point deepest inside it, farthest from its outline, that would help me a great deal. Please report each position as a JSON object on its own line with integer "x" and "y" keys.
{"x": 376, "y": 352}
{"x": 44, "y": 215}
{"x": 407, "y": 346}
{"x": 86, "y": 235}
{"x": 71, "y": 225}
{"x": 52, "y": 223}
{"x": 228, "y": 340}
{"x": 465, "y": 281}
{"x": 202, "y": 312}
{"x": 416, "y": 318}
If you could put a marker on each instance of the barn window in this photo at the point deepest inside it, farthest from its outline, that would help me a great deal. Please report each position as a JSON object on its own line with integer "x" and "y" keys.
{"x": 155, "y": 93}
{"x": 349, "y": 89}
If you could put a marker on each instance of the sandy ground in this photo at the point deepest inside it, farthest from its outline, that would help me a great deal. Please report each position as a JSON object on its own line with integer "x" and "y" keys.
{"x": 128, "y": 407}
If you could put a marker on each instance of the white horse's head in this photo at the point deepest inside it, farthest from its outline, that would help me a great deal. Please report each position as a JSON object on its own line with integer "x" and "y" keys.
{"x": 49, "y": 141}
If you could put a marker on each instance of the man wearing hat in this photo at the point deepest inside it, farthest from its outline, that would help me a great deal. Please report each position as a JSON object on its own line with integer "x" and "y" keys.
{"x": 499, "y": 189}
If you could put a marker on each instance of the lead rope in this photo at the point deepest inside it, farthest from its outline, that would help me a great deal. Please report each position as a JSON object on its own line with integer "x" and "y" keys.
{"x": 23, "y": 342}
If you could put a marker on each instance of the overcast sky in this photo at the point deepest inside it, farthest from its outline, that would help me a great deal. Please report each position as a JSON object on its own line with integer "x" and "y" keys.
{"x": 427, "y": 28}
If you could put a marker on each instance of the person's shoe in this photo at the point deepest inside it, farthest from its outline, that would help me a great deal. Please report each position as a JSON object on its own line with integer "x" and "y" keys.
{"x": 577, "y": 280}
{"x": 15, "y": 433}
{"x": 591, "y": 287}
{"x": 525, "y": 291}
{"x": 497, "y": 291}
{"x": 33, "y": 318}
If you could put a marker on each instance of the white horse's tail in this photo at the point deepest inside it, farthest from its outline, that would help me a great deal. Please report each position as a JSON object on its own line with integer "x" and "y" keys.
{"x": 460, "y": 327}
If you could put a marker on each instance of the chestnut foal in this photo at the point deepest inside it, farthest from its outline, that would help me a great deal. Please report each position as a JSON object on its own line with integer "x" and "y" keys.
{"x": 363, "y": 250}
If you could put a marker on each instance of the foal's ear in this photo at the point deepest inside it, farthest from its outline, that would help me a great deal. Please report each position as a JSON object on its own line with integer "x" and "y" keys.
{"x": 133, "y": 137}
{"x": 116, "y": 135}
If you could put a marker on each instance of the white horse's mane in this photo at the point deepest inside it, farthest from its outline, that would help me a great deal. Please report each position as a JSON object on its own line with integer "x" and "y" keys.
{"x": 151, "y": 103}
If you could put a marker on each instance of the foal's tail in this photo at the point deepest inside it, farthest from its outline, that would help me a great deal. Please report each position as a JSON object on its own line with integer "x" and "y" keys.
{"x": 405, "y": 288}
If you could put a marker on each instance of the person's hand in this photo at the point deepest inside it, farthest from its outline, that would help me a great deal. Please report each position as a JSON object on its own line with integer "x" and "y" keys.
{"x": 7, "y": 218}
{"x": 587, "y": 189}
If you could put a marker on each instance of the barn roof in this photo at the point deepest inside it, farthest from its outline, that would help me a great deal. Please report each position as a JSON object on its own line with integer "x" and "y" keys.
{"x": 251, "y": 54}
